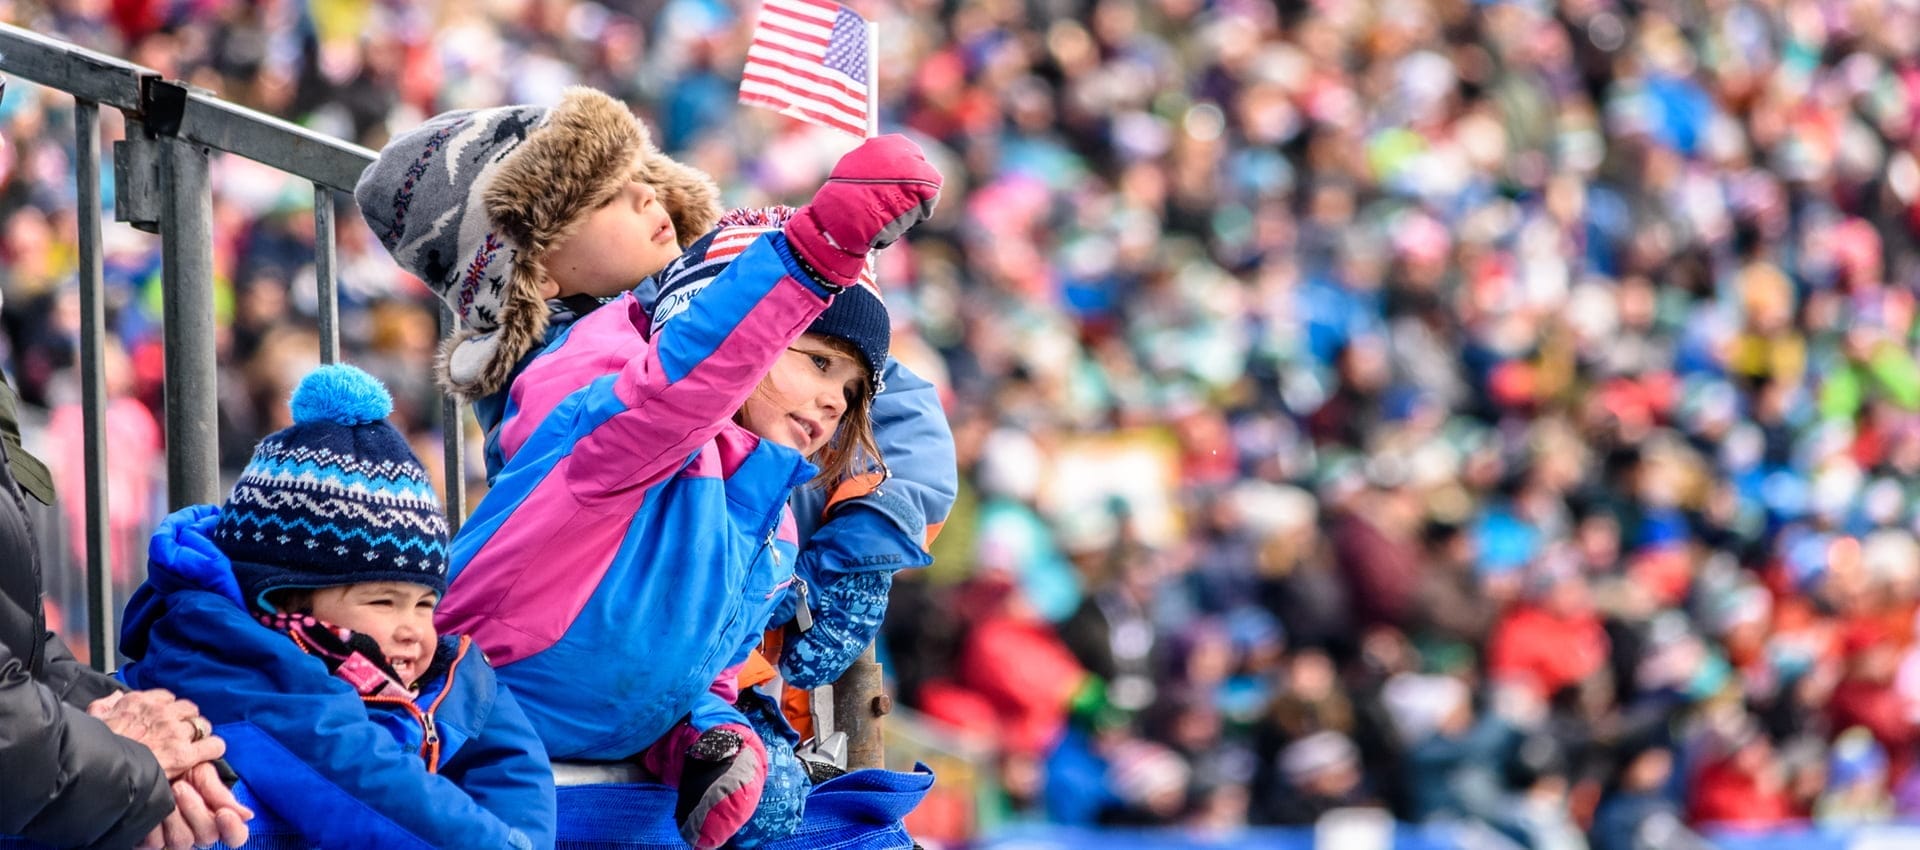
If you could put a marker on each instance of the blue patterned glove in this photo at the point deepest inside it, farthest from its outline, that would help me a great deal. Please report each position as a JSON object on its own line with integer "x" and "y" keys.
{"x": 847, "y": 566}
{"x": 847, "y": 614}
{"x": 783, "y": 801}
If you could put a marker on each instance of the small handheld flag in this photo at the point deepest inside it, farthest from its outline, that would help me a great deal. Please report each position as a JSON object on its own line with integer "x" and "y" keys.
{"x": 813, "y": 60}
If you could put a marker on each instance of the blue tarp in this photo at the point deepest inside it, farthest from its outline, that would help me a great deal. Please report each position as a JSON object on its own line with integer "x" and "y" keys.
{"x": 859, "y": 811}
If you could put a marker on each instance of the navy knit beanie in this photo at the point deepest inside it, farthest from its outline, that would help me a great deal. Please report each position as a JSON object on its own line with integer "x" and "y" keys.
{"x": 337, "y": 498}
{"x": 856, "y": 315}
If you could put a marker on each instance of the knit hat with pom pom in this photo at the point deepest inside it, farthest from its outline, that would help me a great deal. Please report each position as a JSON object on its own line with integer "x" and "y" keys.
{"x": 336, "y": 498}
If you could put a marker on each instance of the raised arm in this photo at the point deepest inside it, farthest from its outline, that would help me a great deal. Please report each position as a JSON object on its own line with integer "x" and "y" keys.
{"x": 704, "y": 361}
{"x": 634, "y": 428}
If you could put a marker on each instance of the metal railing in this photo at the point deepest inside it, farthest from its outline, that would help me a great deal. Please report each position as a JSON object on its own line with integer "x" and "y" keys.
{"x": 161, "y": 181}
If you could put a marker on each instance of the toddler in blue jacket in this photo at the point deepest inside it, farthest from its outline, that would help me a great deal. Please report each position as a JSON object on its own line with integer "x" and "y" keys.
{"x": 299, "y": 615}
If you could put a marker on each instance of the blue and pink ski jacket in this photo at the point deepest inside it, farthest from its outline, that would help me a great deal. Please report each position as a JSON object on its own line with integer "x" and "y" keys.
{"x": 636, "y": 542}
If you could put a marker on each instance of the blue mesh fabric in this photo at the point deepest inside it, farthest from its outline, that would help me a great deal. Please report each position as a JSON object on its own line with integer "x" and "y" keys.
{"x": 859, "y": 811}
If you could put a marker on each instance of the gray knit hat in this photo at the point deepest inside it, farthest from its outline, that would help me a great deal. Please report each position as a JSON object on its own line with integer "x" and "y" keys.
{"x": 471, "y": 201}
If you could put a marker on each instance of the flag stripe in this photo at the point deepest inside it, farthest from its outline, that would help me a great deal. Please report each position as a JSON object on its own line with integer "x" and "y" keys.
{"x": 812, "y": 116}
{"x": 803, "y": 30}
{"x": 772, "y": 31}
{"x": 816, "y": 87}
{"x": 779, "y": 103}
{"x": 772, "y": 87}
{"x": 767, "y": 51}
{"x": 815, "y": 53}
{"x": 820, "y": 11}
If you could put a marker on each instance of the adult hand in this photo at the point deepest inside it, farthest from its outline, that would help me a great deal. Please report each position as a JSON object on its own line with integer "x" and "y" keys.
{"x": 172, "y": 728}
{"x": 205, "y": 811}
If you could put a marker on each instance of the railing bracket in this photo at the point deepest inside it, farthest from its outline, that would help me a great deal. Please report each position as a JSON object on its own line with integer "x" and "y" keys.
{"x": 136, "y": 178}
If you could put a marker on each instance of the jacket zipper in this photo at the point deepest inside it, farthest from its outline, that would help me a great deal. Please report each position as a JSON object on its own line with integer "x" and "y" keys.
{"x": 430, "y": 742}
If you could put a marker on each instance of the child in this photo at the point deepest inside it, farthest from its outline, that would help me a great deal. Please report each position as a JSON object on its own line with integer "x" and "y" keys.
{"x": 855, "y": 532}
{"x": 845, "y": 567}
{"x": 636, "y": 539}
{"x": 299, "y": 616}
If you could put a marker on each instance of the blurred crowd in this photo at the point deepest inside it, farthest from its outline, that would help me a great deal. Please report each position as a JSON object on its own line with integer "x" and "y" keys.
{"x": 1499, "y": 412}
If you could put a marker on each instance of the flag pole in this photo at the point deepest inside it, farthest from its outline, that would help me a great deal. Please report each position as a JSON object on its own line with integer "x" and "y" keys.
{"x": 859, "y": 696}
{"x": 873, "y": 78}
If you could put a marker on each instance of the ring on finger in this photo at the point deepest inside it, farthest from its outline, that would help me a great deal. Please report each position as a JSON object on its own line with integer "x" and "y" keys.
{"x": 201, "y": 729}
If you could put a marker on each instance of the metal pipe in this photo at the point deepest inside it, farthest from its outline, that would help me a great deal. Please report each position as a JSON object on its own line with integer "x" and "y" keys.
{"x": 451, "y": 437}
{"x": 324, "y": 255}
{"x": 76, "y": 70}
{"x": 860, "y": 700}
{"x": 198, "y": 116}
{"x": 192, "y": 386}
{"x": 93, "y": 384}
{"x": 272, "y": 141}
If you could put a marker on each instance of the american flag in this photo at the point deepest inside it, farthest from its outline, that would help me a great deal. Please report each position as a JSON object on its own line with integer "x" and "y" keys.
{"x": 810, "y": 59}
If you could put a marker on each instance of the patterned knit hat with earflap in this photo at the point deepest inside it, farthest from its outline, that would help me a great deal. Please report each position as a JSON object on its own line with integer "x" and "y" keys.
{"x": 472, "y": 200}
{"x": 337, "y": 498}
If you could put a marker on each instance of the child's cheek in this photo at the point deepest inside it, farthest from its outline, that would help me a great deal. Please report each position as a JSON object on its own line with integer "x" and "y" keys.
{"x": 780, "y": 393}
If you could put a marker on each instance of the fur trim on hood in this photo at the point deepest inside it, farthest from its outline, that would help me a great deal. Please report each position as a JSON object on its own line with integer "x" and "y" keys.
{"x": 575, "y": 162}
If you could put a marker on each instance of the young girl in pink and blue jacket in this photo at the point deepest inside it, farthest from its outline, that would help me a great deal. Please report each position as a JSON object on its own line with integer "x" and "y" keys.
{"x": 636, "y": 544}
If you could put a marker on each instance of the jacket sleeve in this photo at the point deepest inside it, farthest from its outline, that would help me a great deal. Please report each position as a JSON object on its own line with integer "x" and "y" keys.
{"x": 77, "y": 684}
{"x": 639, "y": 426}
{"x": 505, "y": 770}
{"x": 871, "y": 531}
{"x": 70, "y": 781}
{"x": 303, "y": 740}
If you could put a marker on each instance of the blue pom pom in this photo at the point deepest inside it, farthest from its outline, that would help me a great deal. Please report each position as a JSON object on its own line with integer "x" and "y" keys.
{"x": 340, "y": 393}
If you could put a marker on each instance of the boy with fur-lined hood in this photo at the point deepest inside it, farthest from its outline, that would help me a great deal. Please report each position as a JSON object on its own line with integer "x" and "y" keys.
{"x": 527, "y": 222}
{"x": 475, "y": 201}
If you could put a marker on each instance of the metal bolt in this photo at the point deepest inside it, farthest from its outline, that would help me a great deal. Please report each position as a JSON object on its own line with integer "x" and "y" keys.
{"x": 882, "y": 705}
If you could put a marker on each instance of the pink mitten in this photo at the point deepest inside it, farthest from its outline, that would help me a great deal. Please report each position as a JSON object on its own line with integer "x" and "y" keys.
{"x": 876, "y": 193}
{"x": 719, "y": 774}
